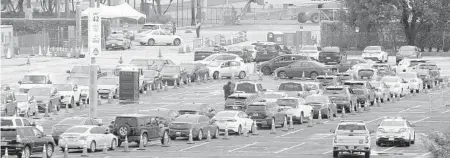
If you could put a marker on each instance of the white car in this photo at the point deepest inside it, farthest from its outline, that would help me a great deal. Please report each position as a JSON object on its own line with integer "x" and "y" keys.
{"x": 351, "y": 136}
{"x": 158, "y": 37}
{"x": 82, "y": 83}
{"x": 414, "y": 82}
{"x": 94, "y": 137}
{"x": 71, "y": 93}
{"x": 235, "y": 121}
{"x": 395, "y": 130}
{"x": 408, "y": 64}
{"x": 296, "y": 108}
{"x": 397, "y": 85}
{"x": 34, "y": 79}
{"x": 272, "y": 96}
{"x": 228, "y": 69}
{"x": 108, "y": 87}
{"x": 375, "y": 53}
{"x": 217, "y": 57}
{"x": 311, "y": 51}
{"x": 249, "y": 86}
{"x": 19, "y": 122}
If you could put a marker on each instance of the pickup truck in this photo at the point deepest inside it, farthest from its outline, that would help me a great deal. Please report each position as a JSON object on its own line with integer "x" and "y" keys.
{"x": 351, "y": 137}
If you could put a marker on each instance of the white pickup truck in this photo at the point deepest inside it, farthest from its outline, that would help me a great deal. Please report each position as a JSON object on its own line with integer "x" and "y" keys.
{"x": 352, "y": 137}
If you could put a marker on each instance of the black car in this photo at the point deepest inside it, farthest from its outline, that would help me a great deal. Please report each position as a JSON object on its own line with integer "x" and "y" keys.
{"x": 25, "y": 140}
{"x": 332, "y": 55}
{"x": 205, "y": 52}
{"x": 266, "y": 51}
{"x": 268, "y": 67}
{"x": 197, "y": 108}
{"x": 135, "y": 126}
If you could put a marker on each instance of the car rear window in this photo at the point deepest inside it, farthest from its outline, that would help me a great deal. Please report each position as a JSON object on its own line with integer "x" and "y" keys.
{"x": 246, "y": 87}
{"x": 131, "y": 121}
{"x": 290, "y": 87}
{"x": 417, "y": 62}
{"x": 188, "y": 119}
{"x": 5, "y": 122}
{"x": 392, "y": 123}
{"x": 334, "y": 91}
{"x": 351, "y": 127}
{"x": 354, "y": 84}
{"x": 256, "y": 107}
{"x": 77, "y": 130}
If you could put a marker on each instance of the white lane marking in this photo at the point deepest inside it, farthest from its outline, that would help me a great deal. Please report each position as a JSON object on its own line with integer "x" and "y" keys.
{"x": 410, "y": 108}
{"x": 445, "y": 112}
{"x": 374, "y": 120}
{"x": 194, "y": 146}
{"x": 423, "y": 155}
{"x": 242, "y": 147}
{"x": 406, "y": 112}
{"x": 290, "y": 133}
{"x": 383, "y": 151}
{"x": 329, "y": 151}
{"x": 413, "y": 122}
{"x": 279, "y": 151}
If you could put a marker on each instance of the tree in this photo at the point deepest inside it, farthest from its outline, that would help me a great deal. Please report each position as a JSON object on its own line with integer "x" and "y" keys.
{"x": 438, "y": 144}
{"x": 157, "y": 9}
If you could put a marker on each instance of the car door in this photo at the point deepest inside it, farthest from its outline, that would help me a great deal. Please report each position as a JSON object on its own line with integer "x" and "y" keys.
{"x": 204, "y": 124}
{"x": 235, "y": 68}
{"x": 247, "y": 120}
{"x": 307, "y": 69}
{"x": 103, "y": 136}
{"x": 152, "y": 125}
{"x": 37, "y": 138}
{"x": 279, "y": 62}
{"x": 346, "y": 65}
{"x": 225, "y": 68}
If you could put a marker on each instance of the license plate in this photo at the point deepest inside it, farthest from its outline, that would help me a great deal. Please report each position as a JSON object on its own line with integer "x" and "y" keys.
{"x": 71, "y": 139}
{"x": 255, "y": 114}
{"x": 178, "y": 133}
{"x": 4, "y": 143}
{"x": 328, "y": 58}
{"x": 113, "y": 44}
{"x": 234, "y": 107}
{"x": 391, "y": 138}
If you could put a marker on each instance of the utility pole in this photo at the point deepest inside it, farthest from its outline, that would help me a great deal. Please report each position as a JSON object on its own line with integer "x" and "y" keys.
{"x": 78, "y": 28}
{"x": 58, "y": 10}
{"x": 193, "y": 12}
{"x": 93, "y": 66}
{"x": 66, "y": 8}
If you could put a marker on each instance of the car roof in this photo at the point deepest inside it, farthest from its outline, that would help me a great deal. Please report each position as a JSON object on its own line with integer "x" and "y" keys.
{"x": 336, "y": 87}
{"x": 352, "y": 123}
{"x": 38, "y": 73}
{"x": 331, "y": 49}
{"x": 153, "y": 24}
{"x": 242, "y": 94}
{"x": 394, "y": 119}
{"x": 296, "y": 98}
{"x": 86, "y": 126}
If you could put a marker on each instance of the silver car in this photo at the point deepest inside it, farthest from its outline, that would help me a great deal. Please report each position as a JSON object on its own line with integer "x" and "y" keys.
{"x": 94, "y": 137}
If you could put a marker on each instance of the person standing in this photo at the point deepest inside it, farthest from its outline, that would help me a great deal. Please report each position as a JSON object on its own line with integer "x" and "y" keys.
{"x": 174, "y": 28}
{"x": 227, "y": 89}
{"x": 197, "y": 28}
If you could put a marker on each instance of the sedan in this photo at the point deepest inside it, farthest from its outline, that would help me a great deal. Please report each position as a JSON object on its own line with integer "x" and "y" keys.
{"x": 70, "y": 92}
{"x": 228, "y": 69}
{"x": 118, "y": 41}
{"x": 160, "y": 37}
{"x": 382, "y": 91}
{"x": 197, "y": 108}
{"x": 323, "y": 104}
{"x": 347, "y": 64}
{"x": 197, "y": 125}
{"x": 95, "y": 137}
{"x": 173, "y": 74}
{"x": 196, "y": 71}
{"x": 26, "y": 104}
{"x": 414, "y": 82}
{"x": 273, "y": 96}
{"x": 235, "y": 121}
{"x": 375, "y": 53}
{"x": 397, "y": 86}
{"x": 108, "y": 87}
{"x": 326, "y": 80}
{"x": 63, "y": 125}
{"x": 308, "y": 69}
{"x": 268, "y": 67}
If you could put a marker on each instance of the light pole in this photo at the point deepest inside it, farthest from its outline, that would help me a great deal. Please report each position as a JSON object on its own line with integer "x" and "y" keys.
{"x": 93, "y": 49}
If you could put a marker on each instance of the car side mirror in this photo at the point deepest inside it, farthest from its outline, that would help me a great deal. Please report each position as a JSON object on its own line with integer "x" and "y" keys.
{"x": 107, "y": 131}
{"x": 68, "y": 71}
{"x": 62, "y": 97}
{"x": 20, "y": 82}
{"x": 39, "y": 135}
{"x": 49, "y": 82}
{"x": 100, "y": 124}
{"x": 8, "y": 101}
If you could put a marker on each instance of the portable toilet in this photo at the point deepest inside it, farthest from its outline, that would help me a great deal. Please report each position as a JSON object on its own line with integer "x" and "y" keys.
{"x": 276, "y": 37}
{"x": 129, "y": 83}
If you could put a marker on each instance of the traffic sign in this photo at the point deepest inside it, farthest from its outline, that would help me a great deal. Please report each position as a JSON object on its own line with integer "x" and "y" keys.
{"x": 95, "y": 32}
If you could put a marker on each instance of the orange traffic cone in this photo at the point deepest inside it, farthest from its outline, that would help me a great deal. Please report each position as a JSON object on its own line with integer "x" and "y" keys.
{"x": 205, "y": 79}
{"x": 310, "y": 121}
{"x": 44, "y": 151}
{"x": 166, "y": 139}
{"x": 273, "y": 130}
{"x": 165, "y": 87}
{"x": 319, "y": 117}
{"x": 191, "y": 140}
{"x": 55, "y": 110}
{"x": 291, "y": 123}
{"x": 66, "y": 151}
{"x": 255, "y": 129}
{"x": 141, "y": 144}
{"x": 208, "y": 137}
{"x": 285, "y": 126}
{"x": 6, "y": 152}
{"x": 105, "y": 149}
{"x": 84, "y": 154}
{"x": 226, "y": 134}
{"x": 159, "y": 54}
{"x": 120, "y": 60}
{"x": 46, "y": 111}
{"x": 198, "y": 80}
{"x": 125, "y": 143}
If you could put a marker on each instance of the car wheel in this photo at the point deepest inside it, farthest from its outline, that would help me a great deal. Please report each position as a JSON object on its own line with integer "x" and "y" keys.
{"x": 242, "y": 75}
{"x": 144, "y": 139}
{"x": 93, "y": 147}
{"x": 215, "y": 75}
{"x": 239, "y": 132}
{"x": 417, "y": 91}
{"x": 151, "y": 42}
{"x": 72, "y": 103}
{"x": 301, "y": 119}
{"x": 79, "y": 101}
{"x": 266, "y": 71}
{"x": 26, "y": 152}
{"x": 142, "y": 43}
{"x": 113, "y": 144}
{"x": 313, "y": 75}
{"x": 176, "y": 42}
{"x": 414, "y": 140}
{"x": 124, "y": 130}
{"x": 335, "y": 154}
{"x": 200, "y": 135}
{"x": 367, "y": 154}
{"x": 282, "y": 74}
{"x": 216, "y": 134}
{"x": 408, "y": 143}
{"x": 314, "y": 18}
{"x": 49, "y": 150}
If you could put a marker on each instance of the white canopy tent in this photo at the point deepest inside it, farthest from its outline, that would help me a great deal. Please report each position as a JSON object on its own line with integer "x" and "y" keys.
{"x": 123, "y": 10}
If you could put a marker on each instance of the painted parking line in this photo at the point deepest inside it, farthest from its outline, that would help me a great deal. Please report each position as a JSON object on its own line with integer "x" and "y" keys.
{"x": 242, "y": 147}
{"x": 384, "y": 151}
{"x": 194, "y": 146}
{"x": 291, "y": 133}
{"x": 327, "y": 152}
{"x": 410, "y": 108}
{"x": 374, "y": 120}
{"x": 424, "y": 155}
{"x": 279, "y": 151}
{"x": 413, "y": 122}
{"x": 445, "y": 111}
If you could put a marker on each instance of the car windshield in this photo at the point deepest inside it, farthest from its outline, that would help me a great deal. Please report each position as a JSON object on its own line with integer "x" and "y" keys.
{"x": 392, "y": 123}
{"x": 79, "y": 80}
{"x": 22, "y": 98}
{"x": 354, "y": 84}
{"x": 332, "y": 91}
{"x": 266, "y": 47}
{"x": 431, "y": 67}
{"x": 80, "y": 70}
{"x": 107, "y": 81}
{"x": 225, "y": 114}
{"x": 186, "y": 118}
{"x": 316, "y": 99}
{"x": 150, "y": 74}
{"x": 116, "y": 36}
{"x": 329, "y": 54}
{"x": 407, "y": 49}
{"x": 63, "y": 87}
{"x": 34, "y": 79}
{"x": 272, "y": 95}
{"x": 290, "y": 87}
{"x": 309, "y": 48}
{"x": 417, "y": 62}
{"x": 170, "y": 69}
{"x": 372, "y": 48}
{"x": 380, "y": 66}
{"x": 71, "y": 121}
{"x": 288, "y": 102}
{"x": 351, "y": 127}
{"x": 389, "y": 79}
{"x": 321, "y": 78}
{"x": 365, "y": 73}
{"x": 139, "y": 62}
{"x": 407, "y": 75}
{"x": 41, "y": 91}
{"x": 77, "y": 130}
{"x": 6, "y": 122}
{"x": 246, "y": 87}
{"x": 358, "y": 91}
{"x": 149, "y": 27}
{"x": 130, "y": 121}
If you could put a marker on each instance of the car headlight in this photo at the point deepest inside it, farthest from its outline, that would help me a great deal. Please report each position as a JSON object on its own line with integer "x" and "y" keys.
{"x": 175, "y": 76}
{"x": 381, "y": 130}
{"x": 335, "y": 139}
{"x": 367, "y": 139}
{"x": 402, "y": 130}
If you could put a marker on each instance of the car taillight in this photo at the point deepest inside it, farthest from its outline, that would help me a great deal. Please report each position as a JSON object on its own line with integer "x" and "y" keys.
{"x": 381, "y": 130}
{"x": 402, "y": 130}
{"x": 83, "y": 138}
{"x": 335, "y": 139}
{"x": 367, "y": 139}
{"x": 18, "y": 139}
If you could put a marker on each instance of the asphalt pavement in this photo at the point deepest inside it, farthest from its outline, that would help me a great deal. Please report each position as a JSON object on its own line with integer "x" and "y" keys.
{"x": 303, "y": 141}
